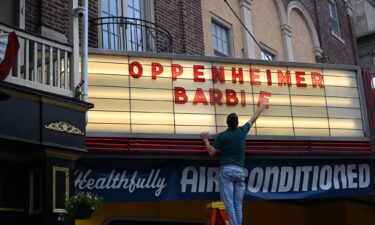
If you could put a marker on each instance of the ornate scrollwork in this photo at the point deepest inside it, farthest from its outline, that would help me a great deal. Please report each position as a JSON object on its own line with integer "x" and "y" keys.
{"x": 64, "y": 127}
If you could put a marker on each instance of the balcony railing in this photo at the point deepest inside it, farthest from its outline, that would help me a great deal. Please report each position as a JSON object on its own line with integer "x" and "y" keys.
{"x": 41, "y": 64}
{"x": 130, "y": 34}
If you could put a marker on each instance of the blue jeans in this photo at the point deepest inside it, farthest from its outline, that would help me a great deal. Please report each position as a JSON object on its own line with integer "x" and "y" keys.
{"x": 232, "y": 188}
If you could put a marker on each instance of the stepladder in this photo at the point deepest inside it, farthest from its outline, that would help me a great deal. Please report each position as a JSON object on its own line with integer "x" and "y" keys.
{"x": 216, "y": 214}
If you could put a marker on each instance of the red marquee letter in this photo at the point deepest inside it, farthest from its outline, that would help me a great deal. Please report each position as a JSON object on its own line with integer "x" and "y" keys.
{"x": 139, "y": 69}
{"x": 300, "y": 79}
{"x": 218, "y": 74}
{"x": 156, "y": 69}
{"x": 180, "y": 96}
{"x": 243, "y": 98}
{"x": 200, "y": 97}
{"x": 236, "y": 75}
{"x": 215, "y": 96}
{"x": 254, "y": 76}
{"x": 198, "y": 73}
{"x": 269, "y": 77}
{"x": 177, "y": 70}
{"x": 262, "y": 98}
{"x": 284, "y": 79}
{"x": 231, "y": 98}
{"x": 317, "y": 79}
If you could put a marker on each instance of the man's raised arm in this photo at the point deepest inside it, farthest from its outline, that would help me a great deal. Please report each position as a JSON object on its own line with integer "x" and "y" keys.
{"x": 257, "y": 114}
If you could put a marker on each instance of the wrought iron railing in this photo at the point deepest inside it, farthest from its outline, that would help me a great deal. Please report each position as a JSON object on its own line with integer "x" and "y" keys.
{"x": 41, "y": 63}
{"x": 130, "y": 34}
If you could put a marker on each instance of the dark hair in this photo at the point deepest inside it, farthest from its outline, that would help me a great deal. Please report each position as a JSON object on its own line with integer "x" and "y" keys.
{"x": 232, "y": 120}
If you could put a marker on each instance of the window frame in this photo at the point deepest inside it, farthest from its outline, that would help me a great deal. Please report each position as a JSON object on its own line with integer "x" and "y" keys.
{"x": 228, "y": 28}
{"x": 332, "y": 20}
{"x": 55, "y": 170}
{"x": 147, "y": 13}
{"x": 100, "y": 30}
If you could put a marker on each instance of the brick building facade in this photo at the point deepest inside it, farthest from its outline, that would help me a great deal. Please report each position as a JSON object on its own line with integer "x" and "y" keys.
{"x": 183, "y": 19}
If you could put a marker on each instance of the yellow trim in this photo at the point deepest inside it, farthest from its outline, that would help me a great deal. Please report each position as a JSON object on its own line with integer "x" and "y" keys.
{"x": 216, "y": 205}
{"x": 66, "y": 171}
{"x": 20, "y": 94}
{"x": 62, "y": 104}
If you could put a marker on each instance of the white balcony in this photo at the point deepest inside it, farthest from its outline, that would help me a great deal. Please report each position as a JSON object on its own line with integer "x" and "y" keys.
{"x": 42, "y": 64}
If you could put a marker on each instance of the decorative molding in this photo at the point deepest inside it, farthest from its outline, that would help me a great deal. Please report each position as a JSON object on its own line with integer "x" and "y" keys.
{"x": 318, "y": 52}
{"x": 246, "y": 17}
{"x": 63, "y": 126}
{"x": 286, "y": 30}
{"x": 246, "y": 3}
{"x": 349, "y": 7}
{"x": 294, "y": 5}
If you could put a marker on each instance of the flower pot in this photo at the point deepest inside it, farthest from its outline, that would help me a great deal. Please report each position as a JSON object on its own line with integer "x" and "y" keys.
{"x": 83, "y": 211}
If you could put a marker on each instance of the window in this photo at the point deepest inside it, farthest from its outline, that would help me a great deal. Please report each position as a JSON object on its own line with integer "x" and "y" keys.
{"x": 266, "y": 55}
{"x": 266, "y": 52}
{"x": 110, "y": 34}
{"x": 116, "y": 35}
{"x": 220, "y": 39}
{"x": 335, "y": 25}
{"x": 12, "y": 13}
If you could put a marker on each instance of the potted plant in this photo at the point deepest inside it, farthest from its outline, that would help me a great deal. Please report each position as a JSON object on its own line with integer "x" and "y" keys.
{"x": 82, "y": 204}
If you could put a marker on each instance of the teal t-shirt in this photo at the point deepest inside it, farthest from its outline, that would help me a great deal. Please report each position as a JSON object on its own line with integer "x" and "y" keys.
{"x": 231, "y": 144}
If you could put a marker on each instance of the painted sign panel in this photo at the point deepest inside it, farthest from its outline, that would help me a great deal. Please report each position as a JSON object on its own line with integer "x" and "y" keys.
{"x": 122, "y": 180}
{"x": 173, "y": 96}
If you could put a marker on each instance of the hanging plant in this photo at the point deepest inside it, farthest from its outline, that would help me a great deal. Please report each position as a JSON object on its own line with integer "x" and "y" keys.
{"x": 82, "y": 204}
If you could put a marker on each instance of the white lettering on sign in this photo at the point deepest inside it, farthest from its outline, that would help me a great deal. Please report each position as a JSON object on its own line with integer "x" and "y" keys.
{"x": 121, "y": 180}
{"x": 282, "y": 179}
{"x": 208, "y": 178}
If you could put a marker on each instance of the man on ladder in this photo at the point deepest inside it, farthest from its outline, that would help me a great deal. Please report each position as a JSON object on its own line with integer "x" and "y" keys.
{"x": 231, "y": 145}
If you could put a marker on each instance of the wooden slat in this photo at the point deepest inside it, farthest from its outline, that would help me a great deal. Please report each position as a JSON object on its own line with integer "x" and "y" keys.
{"x": 43, "y": 64}
{"x": 35, "y": 67}
{"x": 58, "y": 75}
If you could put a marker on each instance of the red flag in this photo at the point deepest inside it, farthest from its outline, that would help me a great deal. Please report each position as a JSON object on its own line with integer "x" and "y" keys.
{"x": 9, "y": 46}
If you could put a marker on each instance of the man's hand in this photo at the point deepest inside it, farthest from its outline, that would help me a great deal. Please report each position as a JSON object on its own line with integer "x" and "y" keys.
{"x": 204, "y": 135}
{"x": 262, "y": 106}
{"x": 211, "y": 150}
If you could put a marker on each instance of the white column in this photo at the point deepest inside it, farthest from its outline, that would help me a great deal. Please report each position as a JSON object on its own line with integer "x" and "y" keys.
{"x": 245, "y": 7}
{"x": 286, "y": 32}
{"x": 74, "y": 41}
{"x": 84, "y": 56}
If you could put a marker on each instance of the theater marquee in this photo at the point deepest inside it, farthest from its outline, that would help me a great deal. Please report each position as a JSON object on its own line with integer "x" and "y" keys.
{"x": 138, "y": 95}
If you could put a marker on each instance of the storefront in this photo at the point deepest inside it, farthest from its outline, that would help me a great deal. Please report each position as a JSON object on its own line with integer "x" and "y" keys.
{"x": 307, "y": 155}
